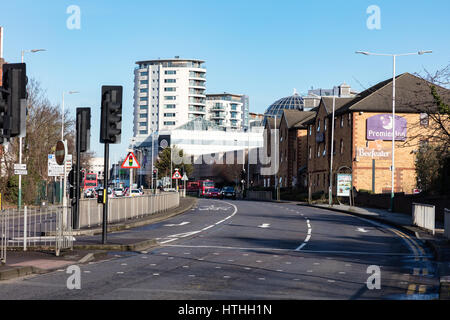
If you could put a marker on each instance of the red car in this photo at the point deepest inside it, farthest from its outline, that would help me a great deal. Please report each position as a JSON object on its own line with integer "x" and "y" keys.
{"x": 213, "y": 194}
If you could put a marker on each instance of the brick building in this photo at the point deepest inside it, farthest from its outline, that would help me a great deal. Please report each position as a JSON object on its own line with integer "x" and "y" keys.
{"x": 293, "y": 146}
{"x": 363, "y": 136}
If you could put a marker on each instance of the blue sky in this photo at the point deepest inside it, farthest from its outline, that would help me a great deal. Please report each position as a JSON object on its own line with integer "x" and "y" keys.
{"x": 261, "y": 48}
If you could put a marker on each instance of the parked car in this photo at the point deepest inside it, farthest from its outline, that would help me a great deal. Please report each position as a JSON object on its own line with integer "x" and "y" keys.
{"x": 135, "y": 193}
{"x": 213, "y": 194}
{"x": 118, "y": 192}
{"x": 90, "y": 193}
{"x": 229, "y": 193}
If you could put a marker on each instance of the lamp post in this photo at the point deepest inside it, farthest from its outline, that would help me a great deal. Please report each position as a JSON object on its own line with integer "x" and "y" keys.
{"x": 20, "y": 138}
{"x": 394, "y": 56}
{"x": 62, "y": 193}
{"x": 277, "y": 183}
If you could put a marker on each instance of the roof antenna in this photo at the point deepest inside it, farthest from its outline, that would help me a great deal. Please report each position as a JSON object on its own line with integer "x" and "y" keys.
{"x": 295, "y": 92}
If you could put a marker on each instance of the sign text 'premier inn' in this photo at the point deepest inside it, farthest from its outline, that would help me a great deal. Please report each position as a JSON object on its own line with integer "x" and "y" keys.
{"x": 379, "y": 127}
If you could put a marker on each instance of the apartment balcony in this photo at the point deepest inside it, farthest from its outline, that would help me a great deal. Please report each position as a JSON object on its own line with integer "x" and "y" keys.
{"x": 197, "y": 110}
{"x": 218, "y": 116}
{"x": 218, "y": 108}
{"x": 197, "y": 84}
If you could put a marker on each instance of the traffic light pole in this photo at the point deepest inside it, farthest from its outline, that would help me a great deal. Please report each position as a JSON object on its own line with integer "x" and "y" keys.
{"x": 76, "y": 215}
{"x": 105, "y": 195}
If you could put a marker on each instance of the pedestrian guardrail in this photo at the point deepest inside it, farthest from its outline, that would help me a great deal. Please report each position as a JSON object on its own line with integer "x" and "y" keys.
{"x": 3, "y": 236}
{"x": 126, "y": 208}
{"x": 259, "y": 195}
{"x": 424, "y": 216}
{"x": 447, "y": 223}
{"x": 49, "y": 227}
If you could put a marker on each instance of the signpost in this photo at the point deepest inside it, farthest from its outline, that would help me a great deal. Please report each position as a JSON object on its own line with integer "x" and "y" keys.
{"x": 184, "y": 179}
{"x": 20, "y": 169}
{"x": 177, "y": 176}
{"x": 131, "y": 163}
{"x": 344, "y": 185}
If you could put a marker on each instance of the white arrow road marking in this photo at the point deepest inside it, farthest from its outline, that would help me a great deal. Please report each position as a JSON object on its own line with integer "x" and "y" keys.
{"x": 176, "y": 225}
{"x": 362, "y": 230}
{"x": 264, "y": 225}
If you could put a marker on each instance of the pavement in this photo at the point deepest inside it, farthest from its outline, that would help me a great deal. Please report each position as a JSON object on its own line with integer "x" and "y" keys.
{"x": 87, "y": 248}
{"x": 233, "y": 250}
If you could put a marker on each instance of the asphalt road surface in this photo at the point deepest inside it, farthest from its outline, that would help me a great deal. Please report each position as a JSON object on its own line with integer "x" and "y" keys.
{"x": 252, "y": 250}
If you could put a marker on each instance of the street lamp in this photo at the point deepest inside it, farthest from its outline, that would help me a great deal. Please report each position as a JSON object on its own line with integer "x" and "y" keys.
{"x": 277, "y": 183}
{"x": 394, "y": 56}
{"x": 20, "y": 138}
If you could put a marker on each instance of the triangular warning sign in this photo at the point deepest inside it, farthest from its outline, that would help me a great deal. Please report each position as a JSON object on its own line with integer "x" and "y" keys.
{"x": 131, "y": 162}
{"x": 176, "y": 175}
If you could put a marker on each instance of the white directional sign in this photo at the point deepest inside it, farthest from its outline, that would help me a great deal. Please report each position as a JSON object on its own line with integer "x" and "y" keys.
{"x": 20, "y": 166}
{"x": 55, "y": 170}
{"x": 20, "y": 172}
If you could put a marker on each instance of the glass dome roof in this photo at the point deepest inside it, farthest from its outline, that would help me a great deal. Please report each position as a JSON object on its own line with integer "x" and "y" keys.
{"x": 294, "y": 102}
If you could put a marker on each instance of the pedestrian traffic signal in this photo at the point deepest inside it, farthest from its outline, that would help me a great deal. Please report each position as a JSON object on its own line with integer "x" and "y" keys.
{"x": 13, "y": 95}
{"x": 155, "y": 174}
{"x": 84, "y": 128}
{"x": 111, "y": 121}
{"x": 243, "y": 174}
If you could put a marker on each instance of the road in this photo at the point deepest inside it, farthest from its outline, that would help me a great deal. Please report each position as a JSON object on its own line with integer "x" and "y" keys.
{"x": 252, "y": 250}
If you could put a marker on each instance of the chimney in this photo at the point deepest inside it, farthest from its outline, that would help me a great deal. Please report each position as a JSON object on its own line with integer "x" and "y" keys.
{"x": 344, "y": 90}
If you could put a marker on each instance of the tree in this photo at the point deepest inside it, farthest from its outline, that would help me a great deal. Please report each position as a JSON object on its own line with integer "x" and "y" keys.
{"x": 165, "y": 158}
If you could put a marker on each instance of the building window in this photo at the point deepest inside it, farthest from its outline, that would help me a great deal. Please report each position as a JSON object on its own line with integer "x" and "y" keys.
{"x": 170, "y": 97}
{"x": 143, "y": 74}
{"x": 170, "y": 106}
{"x": 143, "y": 132}
{"x": 170, "y": 89}
{"x": 170, "y": 72}
{"x": 342, "y": 146}
{"x": 310, "y": 130}
{"x": 170, "y": 80}
{"x": 143, "y": 116}
{"x": 144, "y": 82}
{"x": 142, "y": 124}
{"x": 143, "y": 99}
{"x": 325, "y": 122}
{"x": 349, "y": 119}
{"x": 143, "y": 107}
{"x": 169, "y": 123}
{"x": 318, "y": 151}
{"x": 324, "y": 153}
{"x": 334, "y": 147}
{"x": 143, "y": 90}
{"x": 318, "y": 126}
{"x": 424, "y": 120}
{"x": 310, "y": 152}
{"x": 169, "y": 115}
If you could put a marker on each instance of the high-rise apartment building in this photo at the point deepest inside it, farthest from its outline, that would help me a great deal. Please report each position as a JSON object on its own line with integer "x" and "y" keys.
{"x": 168, "y": 94}
{"x": 228, "y": 110}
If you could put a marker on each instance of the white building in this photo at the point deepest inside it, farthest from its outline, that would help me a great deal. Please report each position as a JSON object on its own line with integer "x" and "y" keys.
{"x": 227, "y": 110}
{"x": 168, "y": 94}
{"x": 97, "y": 165}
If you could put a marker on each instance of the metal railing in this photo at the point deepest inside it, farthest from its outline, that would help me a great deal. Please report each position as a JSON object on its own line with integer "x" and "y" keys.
{"x": 3, "y": 236}
{"x": 126, "y": 208}
{"x": 424, "y": 216}
{"x": 49, "y": 227}
{"x": 447, "y": 223}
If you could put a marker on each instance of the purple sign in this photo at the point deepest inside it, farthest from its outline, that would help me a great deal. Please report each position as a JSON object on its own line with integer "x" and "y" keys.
{"x": 379, "y": 127}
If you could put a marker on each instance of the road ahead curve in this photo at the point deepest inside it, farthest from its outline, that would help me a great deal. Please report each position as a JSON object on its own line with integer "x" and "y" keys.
{"x": 252, "y": 250}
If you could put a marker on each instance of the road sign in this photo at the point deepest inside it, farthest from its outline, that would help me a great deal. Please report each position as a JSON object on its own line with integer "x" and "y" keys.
{"x": 131, "y": 162}
{"x": 20, "y": 166}
{"x": 61, "y": 152}
{"x": 185, "y": 178}
{"x": 20, "y": 172}
{"x": 177, "y": 175}
{"x": 56, "y": 170}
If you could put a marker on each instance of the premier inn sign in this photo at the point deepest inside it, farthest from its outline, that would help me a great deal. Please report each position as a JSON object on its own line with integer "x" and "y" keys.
{"x": 379, "y": 127}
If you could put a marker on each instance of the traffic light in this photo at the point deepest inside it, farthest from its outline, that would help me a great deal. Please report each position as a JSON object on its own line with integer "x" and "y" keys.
{"x": 12, "y": 94}
{"x": 243, "y": 176}
{"x": 111, "y": 121}
{"x": 155, "y": 174}
{"x": 72, "y": 176}
{"x": 84, "y": 126}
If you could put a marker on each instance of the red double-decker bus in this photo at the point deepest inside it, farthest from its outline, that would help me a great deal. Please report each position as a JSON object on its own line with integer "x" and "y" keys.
{"x": 90, "y": 181}
{"x": 204, "y": 186}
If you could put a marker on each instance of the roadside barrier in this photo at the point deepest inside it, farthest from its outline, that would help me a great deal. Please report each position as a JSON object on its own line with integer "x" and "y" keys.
{"x": 424, "y": 216}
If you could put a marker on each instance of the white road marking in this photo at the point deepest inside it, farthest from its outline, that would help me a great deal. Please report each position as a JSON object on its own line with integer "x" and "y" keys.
{"x": 156, "y": 274}
{"x": 308, "y": 236}
{"x": 177, "y": 225}
{"x": 362, "y": 230}
{"x": 264, "y": 225}
{"x": 120, "y": 272}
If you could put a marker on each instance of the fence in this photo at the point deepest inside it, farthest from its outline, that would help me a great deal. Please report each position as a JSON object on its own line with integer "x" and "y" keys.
{"x": 447, "y": 223}
{"x": 48, "y": 227}
{"x": 3, "y": 236}
{"x": 424, "y": 216}
{"x": 122, "y": 209}
{"x": 260, "y": 195}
